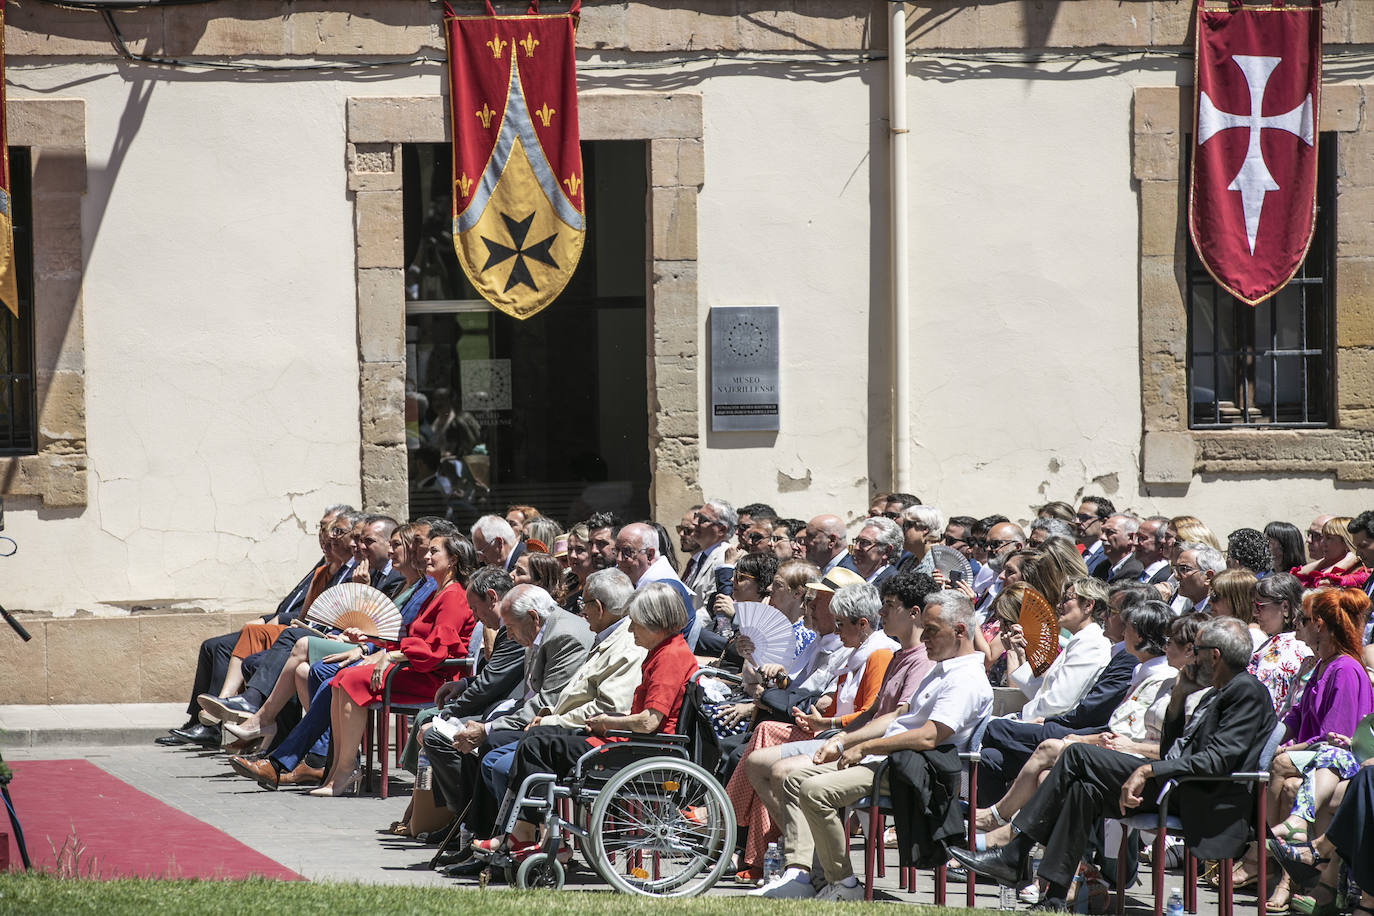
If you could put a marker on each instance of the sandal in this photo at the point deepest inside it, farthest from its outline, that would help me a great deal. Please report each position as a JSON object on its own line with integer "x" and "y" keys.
{"x": 397, "y": 828}
{"x": 1309, "y": 906}
{"x": 1289, "y": 834}
{"x": 1289, "y": 857}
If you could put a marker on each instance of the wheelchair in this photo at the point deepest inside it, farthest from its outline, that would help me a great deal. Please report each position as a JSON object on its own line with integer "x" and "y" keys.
{"x": 645, "y": 817}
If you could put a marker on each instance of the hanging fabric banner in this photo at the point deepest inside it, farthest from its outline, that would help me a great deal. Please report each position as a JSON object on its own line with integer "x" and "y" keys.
{"x": 1252, "y": 194}
{"x": 518, "y": 208}
{"x": 9, "y": 289}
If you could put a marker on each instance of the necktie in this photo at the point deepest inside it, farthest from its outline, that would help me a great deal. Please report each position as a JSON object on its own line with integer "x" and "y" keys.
{"x": 690, "y": 571}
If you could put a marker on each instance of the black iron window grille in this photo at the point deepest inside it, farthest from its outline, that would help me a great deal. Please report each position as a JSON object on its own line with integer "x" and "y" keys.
{"x": 18, "y": 399}
{"x": 1272, "y": 364}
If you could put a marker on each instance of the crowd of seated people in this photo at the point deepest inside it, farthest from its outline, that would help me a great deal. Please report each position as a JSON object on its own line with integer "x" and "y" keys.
{"x": 1179, "y": 654}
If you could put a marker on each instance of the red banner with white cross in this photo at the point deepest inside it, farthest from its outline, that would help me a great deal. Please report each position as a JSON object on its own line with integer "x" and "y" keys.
{"x": 1252, "y": 193}
{"x": 519, "y": 218}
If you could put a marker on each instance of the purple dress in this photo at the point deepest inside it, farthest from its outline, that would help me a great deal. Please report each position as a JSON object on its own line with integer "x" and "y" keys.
{"x": 1337, "y": 697}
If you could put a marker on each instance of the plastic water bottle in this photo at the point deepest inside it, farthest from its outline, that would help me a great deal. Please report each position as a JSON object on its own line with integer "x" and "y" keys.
{"x": 1175, "y": 905}
{"x": 772, "y": 863}
{"x": 1006, "y": 897}
{"x": 423, "y": 779}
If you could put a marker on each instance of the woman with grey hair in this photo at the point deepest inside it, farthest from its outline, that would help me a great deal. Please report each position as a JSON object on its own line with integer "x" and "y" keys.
{"x": 657, "y": 617}
{"x": 856, "y": 609}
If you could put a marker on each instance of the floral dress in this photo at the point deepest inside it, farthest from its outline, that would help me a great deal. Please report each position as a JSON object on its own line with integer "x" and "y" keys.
{"x": 1276, "y": 664}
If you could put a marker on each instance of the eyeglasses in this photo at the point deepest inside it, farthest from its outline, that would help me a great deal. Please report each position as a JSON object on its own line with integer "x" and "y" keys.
{"x": 339, "y": 532}
{"x": 626, "y": 552}
{"x": 1185, "y": 570}
{"x": 1084, "y": 518}
{"x": 1198, "y": 647}
{"x": 864, "y": 543}
{"x": 779, "y": 539}
{"x": 1261, "y": 605}
{"x": 1066, "y": 599}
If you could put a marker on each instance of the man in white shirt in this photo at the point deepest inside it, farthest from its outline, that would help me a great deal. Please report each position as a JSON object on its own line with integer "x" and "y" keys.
{"x": 945, "y": 710}
{"x": 1082, "y": 610}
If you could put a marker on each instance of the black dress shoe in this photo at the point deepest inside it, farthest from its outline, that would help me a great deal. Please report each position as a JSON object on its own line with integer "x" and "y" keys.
{"x": 198, "y": 734}
{"x": 1007, "y": 865}
{"x": 454, "y": 856}
{"x": 170, "y": 741}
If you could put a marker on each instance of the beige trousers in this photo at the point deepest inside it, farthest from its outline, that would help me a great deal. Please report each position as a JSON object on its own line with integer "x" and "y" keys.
{"x": 814, "y": 798}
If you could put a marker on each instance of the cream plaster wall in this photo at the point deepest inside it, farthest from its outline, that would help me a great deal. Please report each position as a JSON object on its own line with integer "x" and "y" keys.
{"x": 221, "y": 345}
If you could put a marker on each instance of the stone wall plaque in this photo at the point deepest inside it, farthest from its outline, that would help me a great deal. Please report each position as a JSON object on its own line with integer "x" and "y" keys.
{"x": 744, "y": 368}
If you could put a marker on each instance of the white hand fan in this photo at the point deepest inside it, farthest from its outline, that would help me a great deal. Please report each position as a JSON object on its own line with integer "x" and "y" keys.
{"x": 768, "y": 629}
{"x": 947, "y": 560}
{"x": 354, "y": 604}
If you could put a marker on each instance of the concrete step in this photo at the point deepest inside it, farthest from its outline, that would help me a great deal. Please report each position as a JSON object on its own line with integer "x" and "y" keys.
{"x": 94, "y": 724}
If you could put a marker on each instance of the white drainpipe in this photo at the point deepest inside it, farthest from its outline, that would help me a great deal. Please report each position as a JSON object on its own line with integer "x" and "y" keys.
{"x": 901, "y": 320}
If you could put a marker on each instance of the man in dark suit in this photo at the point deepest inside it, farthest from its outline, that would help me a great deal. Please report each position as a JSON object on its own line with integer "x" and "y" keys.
{"x": 1226, "y": 734}
{"x": 557, "y": 644}
{"x": 826, "y": 544}
{"x": 1092, "y": 512}
{"x": 496, "y": 542}
{"x": 372, "y": 542}
{"x": 1118, "y": 546}
{"x": 1149, "y": 550}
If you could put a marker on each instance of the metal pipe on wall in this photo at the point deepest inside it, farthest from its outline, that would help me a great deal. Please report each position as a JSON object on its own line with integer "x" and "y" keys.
{"x": 901, "y": 319}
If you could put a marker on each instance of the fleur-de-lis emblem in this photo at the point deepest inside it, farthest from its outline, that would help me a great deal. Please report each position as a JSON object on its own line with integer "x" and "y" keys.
{"x": 529, "y": 43}
{"x": 545, "y": 113}
{"x": 573, "y": 183}
{"x": 464, "y": 184}
{"x": 497, "y": 45}
{"x": 484, "y": 115}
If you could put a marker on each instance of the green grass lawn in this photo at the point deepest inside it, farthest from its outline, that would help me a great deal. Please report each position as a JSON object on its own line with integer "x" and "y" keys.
{"x": 32, "y": 895}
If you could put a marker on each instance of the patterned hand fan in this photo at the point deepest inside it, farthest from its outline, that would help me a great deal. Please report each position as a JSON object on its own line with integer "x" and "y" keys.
{"x": 948, "y": 560}
{"x": 1040, "y": 624}
{"x": 769, "y": 631}
{"x": 354, "y": 604}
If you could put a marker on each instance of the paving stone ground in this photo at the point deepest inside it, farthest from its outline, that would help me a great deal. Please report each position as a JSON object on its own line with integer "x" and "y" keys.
{"x": 337, "y": 839}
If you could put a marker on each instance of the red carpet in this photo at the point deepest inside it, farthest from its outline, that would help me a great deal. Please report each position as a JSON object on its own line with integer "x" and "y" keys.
{"x": 123, "y": 832}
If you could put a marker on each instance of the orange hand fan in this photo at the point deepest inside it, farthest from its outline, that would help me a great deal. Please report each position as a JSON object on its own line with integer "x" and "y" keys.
{"x": 1040, "y": 625}
{"x": 354, "y": 604}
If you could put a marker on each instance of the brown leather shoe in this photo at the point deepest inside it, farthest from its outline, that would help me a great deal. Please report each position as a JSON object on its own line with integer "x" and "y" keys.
{"x": 262, "y": 771}
{"x": 302, "y": 775}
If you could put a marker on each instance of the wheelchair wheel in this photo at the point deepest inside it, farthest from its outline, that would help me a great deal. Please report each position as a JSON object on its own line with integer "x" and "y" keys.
{"x": 662, "y": 827}
{"x": 540, "y": 870}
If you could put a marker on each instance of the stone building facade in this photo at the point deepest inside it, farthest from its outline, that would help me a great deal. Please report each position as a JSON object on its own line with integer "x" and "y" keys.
{"x": 220, "y": 292}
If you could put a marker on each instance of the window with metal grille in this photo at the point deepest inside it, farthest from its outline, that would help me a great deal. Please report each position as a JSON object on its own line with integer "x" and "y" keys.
{"x": 1271, "y": 364}
{"x": 18, "y": 407}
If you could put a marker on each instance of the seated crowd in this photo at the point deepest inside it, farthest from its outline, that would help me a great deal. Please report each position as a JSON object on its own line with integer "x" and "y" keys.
{"x": 1180, "y": 655}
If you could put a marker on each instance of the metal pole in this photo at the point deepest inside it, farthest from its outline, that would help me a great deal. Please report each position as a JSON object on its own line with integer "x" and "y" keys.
{"x": 901, "y": 319}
